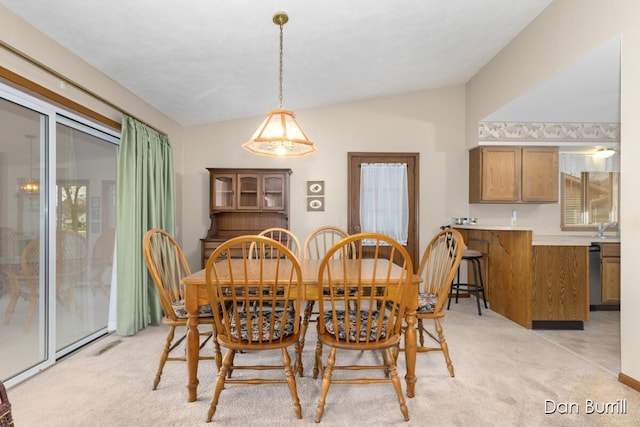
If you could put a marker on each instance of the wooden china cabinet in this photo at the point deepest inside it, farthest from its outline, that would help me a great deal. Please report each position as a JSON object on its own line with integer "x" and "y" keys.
{"x": 245, "y": 201}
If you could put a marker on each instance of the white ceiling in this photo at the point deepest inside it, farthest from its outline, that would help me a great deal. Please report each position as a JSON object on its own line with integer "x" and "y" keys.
{"x": 202, "y": 61}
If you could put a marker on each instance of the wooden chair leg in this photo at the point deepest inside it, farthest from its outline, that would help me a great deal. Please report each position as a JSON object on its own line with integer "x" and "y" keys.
{"x": 33, "y": 303}
{"x": 303, "y": 331}
{"x": 444, "y": 346}
{"x": 421, "y": 332}
{"x": 317, "y": 366}
{"x": 216, "y": 346}
{"x": 164, "y": 356}
{"x": 222, "y": 374}
{"x": 291, "y": 381}
{"x": 395, "y": 380}
{"x": 13, "y": 300}
{"x": 326, "y": 382}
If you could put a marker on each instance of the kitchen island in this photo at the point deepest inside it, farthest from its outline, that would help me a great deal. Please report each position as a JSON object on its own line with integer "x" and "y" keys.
{"x": 536, "y": 281}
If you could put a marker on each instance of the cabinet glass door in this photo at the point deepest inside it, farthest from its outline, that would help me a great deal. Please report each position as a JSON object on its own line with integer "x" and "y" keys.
{"x": 223, "y": 192}
{"x": 273, "y": 185}
{"x": 248, "y": 191}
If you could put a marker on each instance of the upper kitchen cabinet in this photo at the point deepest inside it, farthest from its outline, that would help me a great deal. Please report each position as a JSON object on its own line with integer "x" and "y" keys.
{"x": 506, "y": 174}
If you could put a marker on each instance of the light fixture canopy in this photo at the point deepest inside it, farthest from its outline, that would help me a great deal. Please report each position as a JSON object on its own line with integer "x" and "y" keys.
{"x": 604, "y": 153}
{"x": 280, "y": 135}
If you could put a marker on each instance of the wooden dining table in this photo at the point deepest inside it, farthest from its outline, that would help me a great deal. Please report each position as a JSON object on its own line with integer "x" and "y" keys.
{"x": 196, "y": 296}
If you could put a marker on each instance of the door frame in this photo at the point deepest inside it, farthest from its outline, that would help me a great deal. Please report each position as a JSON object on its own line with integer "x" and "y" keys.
{"x": 353, "y": 161}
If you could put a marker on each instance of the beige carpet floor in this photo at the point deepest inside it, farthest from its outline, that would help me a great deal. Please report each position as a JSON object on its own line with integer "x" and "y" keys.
{"x": 505, "y": 376}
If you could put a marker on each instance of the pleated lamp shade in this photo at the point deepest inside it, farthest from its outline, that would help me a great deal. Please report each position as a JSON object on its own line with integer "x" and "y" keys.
{"x": 280, "y": 135}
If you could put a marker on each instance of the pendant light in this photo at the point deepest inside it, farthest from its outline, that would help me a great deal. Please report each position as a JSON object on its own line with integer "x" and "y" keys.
{"x": 29, "y": 186}
{"x": 279, "y": 134}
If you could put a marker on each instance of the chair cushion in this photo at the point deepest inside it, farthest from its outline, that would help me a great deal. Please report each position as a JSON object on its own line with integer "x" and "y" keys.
{"x": 426, "y": 302}
{"x": 342, "y": 330}
{"x": 181, "y": 313}
{"x": 263, "y": 330}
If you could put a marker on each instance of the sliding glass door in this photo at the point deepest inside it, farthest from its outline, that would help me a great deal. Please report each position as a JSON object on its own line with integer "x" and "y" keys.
{"x": 23, "y": 312}
{"x": 85, "y": 230}
{"x": 57, "y": 231}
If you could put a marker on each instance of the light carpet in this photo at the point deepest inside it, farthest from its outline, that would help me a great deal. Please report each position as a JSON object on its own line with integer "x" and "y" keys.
{"x": 504, "y": 376}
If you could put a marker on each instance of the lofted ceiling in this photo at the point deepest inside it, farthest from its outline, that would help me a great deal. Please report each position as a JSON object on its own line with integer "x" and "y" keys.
{"x": 202, "y": 61}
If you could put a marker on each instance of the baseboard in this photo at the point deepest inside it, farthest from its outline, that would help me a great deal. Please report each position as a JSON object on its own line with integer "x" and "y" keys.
{"x": 558, "y": 324}
{"x": 604, "y": 307}
{"x": 628, "y": 381}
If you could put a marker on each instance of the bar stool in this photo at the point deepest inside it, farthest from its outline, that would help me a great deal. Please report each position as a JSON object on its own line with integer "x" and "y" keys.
{"x": 473, "y": 260}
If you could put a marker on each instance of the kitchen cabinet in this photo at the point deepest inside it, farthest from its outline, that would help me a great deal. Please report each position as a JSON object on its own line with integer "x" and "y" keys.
{"x": 534, "y": 285}
{"x": 244, "y": 201}
{"x": 508, "y": 271}
{"x": 560, "y": 284}
{"x": 507, "y": 174}
{"x": 610, "y": 273}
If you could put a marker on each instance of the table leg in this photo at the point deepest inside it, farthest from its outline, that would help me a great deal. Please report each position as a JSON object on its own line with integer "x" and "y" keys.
{"x": 410, "y": 351}
{"x": 193, "y": 353}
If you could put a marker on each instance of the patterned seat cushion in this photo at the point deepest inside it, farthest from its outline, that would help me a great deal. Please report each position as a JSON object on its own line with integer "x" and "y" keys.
{"x": 263, "y": 330}
{"x": 426, "y": 303}
{"x": 342, "y": 330}
{"x": 181, "y": 313}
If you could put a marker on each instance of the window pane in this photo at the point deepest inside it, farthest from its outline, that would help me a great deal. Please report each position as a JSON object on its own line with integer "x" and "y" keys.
{"x": 589, "y": 198}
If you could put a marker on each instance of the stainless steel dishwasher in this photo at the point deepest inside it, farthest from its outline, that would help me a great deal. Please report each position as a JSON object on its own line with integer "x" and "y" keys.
{"x": 595, "y": 295}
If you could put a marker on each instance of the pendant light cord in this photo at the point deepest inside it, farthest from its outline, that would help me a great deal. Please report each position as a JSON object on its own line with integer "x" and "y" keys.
{"x": 281, "y": 72}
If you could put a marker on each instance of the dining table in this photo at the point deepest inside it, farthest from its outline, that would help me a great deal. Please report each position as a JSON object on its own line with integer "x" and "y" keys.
{"x": 196, "y": 295}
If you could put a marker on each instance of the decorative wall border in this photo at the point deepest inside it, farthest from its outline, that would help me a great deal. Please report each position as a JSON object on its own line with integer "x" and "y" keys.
{"x": 549, "y": 131}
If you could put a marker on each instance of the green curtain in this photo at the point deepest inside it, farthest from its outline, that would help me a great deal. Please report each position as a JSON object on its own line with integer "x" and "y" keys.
{"x": 146, "y": 199}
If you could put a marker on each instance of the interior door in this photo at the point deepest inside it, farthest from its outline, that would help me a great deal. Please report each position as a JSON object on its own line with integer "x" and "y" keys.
{"x": 353, "y": 186}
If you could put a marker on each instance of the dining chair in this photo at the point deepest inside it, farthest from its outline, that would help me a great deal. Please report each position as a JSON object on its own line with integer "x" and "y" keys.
{"x": 24, "y": 282}
{"x": 9, "y": 255}
{"x": 101, "y": 262}
{"x": 320, "y": 240}
{"x": 438, "y": 266}
{"x": 280, "y": 235}
{"x": 71, "y": 258}
{"x": 167, "y": 266}
{"x": 71, "y": 264}
{"x": 356, "y": 292}
{"x": 315, "y": 246}
{"x": 260, "y": 304}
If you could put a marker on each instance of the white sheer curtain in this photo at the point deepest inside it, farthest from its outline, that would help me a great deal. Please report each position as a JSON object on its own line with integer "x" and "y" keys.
{"x": 384, "y": 200}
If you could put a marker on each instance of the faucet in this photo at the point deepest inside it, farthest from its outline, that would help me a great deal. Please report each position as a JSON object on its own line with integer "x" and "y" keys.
{"x": 603, "y": 226}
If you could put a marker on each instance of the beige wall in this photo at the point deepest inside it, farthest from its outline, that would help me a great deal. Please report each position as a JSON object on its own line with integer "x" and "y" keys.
{"x": 565, "y": 31}
{"x": 430, "y": 123}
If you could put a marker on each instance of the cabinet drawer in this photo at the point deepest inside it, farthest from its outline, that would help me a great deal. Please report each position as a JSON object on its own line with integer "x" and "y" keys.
{"x": 209, "y": 246}
{"x": 610, "y": 249}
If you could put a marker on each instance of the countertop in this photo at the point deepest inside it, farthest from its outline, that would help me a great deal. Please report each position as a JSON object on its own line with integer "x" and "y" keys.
{"x": 570, "y": 240}
{"x": 567, "y": 239}
{"x": 493, "y": 227}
